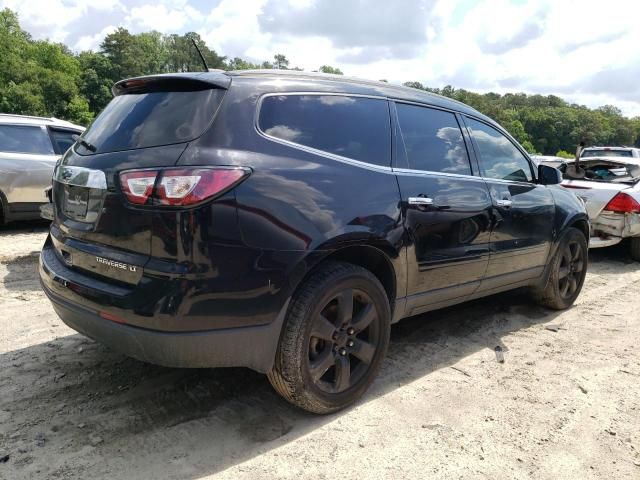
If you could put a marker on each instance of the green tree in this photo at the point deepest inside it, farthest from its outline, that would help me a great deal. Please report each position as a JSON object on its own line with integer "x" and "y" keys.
{"x": 280, "y": 62}
{"x": 330, "y": 69}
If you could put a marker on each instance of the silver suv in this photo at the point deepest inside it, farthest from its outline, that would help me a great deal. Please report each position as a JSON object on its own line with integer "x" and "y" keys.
{"x": 29, "y": 149}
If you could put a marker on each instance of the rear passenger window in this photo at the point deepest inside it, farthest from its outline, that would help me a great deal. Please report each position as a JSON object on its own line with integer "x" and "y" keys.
{"x": 433, "y": 140}
{"x": 499, "y": 158}
{"x": 352, "y": 127}
{"x": 25, "y": 139}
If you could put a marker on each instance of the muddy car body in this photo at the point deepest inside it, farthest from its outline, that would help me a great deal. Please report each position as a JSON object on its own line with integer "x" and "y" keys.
{"x": 282, "y": 221}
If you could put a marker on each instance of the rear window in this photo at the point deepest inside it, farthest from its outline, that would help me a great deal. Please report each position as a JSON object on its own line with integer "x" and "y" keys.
{"x": 606, "y": 153}
{"x": 151, "y": 119}
{"x": 353, "y": 127}
{"x": 25, "y": 139}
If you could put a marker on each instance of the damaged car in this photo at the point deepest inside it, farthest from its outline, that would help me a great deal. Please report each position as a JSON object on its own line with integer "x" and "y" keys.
{"x": 610, "y": 187}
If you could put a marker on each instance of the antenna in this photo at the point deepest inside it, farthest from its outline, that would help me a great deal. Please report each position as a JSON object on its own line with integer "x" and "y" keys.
{"x": 204, "y": 62}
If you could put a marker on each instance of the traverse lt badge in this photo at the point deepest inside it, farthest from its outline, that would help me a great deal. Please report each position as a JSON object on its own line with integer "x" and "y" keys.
{"x": 114, "y": 264}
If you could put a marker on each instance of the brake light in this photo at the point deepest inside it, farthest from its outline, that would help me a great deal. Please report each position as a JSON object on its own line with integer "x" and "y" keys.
{"x": 623, "y": 203}
{"x": 178, "y": 187}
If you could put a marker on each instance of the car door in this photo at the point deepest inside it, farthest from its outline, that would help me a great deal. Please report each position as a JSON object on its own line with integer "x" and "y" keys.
{"x": 523, "y": 211}
{"x": 446, "y": 209}
{"x": 27, "y": 160}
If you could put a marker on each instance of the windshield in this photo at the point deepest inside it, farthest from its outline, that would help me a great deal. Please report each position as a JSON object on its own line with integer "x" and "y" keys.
{"x": 140, "y": 120}
{"x": 603, "y": 152}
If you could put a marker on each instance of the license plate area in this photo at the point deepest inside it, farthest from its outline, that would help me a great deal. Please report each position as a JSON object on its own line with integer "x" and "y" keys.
{"x": 76, "y": 202}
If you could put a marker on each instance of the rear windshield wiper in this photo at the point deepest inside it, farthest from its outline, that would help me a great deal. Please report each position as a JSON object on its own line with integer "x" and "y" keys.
{"x": 84, "y": 143}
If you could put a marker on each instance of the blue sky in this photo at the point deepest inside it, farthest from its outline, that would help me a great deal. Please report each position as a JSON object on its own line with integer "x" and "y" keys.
{"x": 585, "y": 51}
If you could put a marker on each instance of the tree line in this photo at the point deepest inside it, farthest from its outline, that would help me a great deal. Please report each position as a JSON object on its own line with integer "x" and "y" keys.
{"x": 38, "y": 77}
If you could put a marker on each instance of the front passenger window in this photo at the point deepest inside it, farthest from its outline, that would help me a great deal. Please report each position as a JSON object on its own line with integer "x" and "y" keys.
{"x": 499, "y": 158}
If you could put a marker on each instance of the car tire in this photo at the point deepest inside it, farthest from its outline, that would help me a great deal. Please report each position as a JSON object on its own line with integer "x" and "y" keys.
{"x": 634, "y": 249}
{"x": 334, "y": 339}
{"x": 566, "y": 272}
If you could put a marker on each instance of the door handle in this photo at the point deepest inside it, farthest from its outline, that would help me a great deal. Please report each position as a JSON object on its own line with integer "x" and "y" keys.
{"x": 420, "y": 201}
{"x": 503, "y": 203}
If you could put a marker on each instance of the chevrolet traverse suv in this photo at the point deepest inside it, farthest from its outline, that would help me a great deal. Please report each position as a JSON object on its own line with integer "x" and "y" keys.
{"x": 283, "y": 221}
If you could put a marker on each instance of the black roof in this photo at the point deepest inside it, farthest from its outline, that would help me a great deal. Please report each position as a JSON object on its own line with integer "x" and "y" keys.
{"x": 293, "y": 80}
{"x": 312, "y": 80}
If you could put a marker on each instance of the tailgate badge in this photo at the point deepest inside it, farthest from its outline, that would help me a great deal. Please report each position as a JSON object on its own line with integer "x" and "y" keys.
{"x": 114, "y": 264}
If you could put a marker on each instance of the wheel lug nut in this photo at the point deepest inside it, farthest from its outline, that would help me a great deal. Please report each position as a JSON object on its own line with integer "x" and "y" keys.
{"x": 343, "y": 352}
{"x": 351, "y": 331}
{"x": 350, "y": 343}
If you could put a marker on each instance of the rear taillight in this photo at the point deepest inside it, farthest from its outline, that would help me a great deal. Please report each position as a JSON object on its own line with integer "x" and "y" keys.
{"x": 138, "y": 185}
{"x": 623, "y": 203}
{"x": 178, "y": 187}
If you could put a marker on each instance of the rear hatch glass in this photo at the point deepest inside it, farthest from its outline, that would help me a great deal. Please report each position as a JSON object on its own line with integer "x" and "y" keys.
{"x": 151, "y": 119}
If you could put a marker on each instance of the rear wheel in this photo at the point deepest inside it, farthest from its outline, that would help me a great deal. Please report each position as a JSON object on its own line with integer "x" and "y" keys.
{"x": 334, "y": 339}
{"x": 635, "y": 248}
{"x": 567, "y": 271}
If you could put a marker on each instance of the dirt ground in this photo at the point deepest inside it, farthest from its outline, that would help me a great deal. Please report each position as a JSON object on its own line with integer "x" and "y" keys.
{"x": 564, "y": 405}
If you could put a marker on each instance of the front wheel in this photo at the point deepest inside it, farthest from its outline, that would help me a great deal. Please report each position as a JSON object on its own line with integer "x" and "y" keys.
{"x": 334, "y": 339}
{"x": 567, "y": 272}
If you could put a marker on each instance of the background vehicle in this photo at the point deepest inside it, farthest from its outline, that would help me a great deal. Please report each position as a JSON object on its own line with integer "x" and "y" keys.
{"x": 610, "y": 188}
{"x": 29, "y": 149}
{"x": 613, "y": 152}
{"x": 550, "y": 160}
{"x": 282, "y": 221}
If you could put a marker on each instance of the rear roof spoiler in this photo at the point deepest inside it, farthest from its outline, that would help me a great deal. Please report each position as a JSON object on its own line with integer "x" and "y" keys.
{"x": 170, "y": 81}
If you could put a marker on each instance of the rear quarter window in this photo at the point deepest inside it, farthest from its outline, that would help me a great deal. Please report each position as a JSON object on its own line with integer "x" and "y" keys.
{"x": 151, "y": 119}
{"x": 353, "y": 127}
{"x": 25, "y": 139}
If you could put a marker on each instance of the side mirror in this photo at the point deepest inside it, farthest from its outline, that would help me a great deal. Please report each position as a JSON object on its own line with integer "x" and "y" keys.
{"x": 548, "y": 175}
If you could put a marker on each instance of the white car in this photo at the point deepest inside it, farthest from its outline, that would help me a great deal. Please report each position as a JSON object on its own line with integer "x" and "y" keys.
{"x": 610, "y": 188}
{"x": 611, "y": 152}
{"x": 550, "y": 160}
{"x": 29, "y": 149}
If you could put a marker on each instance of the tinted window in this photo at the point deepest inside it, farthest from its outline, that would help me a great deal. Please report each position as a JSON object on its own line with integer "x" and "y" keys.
{"x": 351, "y": 127}
{"x": 62, "y": 140}
{"x": 139, "y": 120}
{"x": 25, "y": 139}
{"x": 433, "y": 140}
{"x": 499, "y": 158}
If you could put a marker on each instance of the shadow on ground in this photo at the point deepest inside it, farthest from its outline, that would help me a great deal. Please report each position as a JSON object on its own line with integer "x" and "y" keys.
{"x": 71, "y": 408}
{"x": 48, "y": 390}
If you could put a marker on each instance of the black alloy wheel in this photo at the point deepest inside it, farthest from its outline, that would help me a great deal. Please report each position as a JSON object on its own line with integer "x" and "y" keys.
{"x": 570, "y": 269}
{"x": 334, "y": 338}
{"x": 566, "y": 272}
{"x": 343, "y": 341}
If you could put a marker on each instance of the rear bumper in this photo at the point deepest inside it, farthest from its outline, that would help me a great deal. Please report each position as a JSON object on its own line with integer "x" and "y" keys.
{"x": 610, "y": 228}
{"x": 248, "y": 346}
{"x": 252, "y": 347}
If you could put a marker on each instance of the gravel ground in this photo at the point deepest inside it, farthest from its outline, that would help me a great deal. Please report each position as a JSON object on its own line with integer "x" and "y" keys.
{"x": 565, "y": 404}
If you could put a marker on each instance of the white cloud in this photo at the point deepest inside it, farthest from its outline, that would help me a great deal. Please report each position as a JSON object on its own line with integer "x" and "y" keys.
{"x": 161, "y": 18}
{"x": 583, "y": 51}
{"x": 92, "y": 42}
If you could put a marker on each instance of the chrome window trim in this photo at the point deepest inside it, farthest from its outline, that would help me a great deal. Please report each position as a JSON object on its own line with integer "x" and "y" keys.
{"x": 315, "y": 151}
{"x": 80, "y": 177}
{"x": 411, "y": 171}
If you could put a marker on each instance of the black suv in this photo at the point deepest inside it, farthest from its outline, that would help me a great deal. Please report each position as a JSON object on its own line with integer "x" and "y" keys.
{"x": 283, "y": 221}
